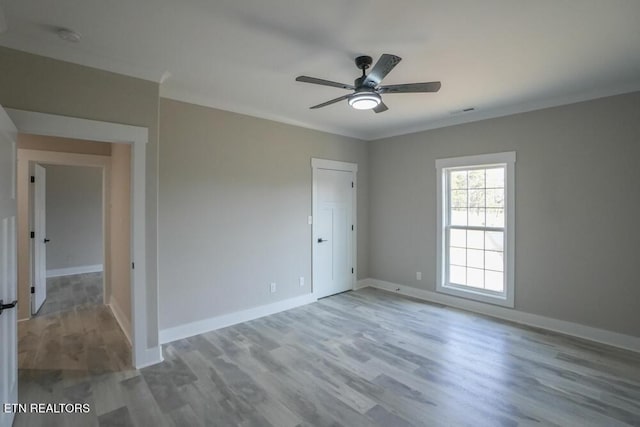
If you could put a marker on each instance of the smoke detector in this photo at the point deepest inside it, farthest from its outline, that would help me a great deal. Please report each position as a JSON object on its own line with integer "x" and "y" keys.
{"x": 68, "y": 35}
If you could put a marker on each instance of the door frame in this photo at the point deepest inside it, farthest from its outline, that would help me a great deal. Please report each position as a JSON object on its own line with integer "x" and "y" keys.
{"x": 8, "y": 283}
{"x": 144, "y": 300}
{"x": 317, "y": 164}
{"x": 32, "y": 214}
{"x": 26, "y": 157}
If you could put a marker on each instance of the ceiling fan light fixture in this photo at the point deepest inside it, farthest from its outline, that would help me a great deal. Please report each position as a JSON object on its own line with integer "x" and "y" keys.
{"x": 365, "y": 100}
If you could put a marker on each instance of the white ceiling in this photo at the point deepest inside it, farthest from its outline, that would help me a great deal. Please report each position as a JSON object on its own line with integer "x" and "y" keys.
{"x": 499, "y": 56}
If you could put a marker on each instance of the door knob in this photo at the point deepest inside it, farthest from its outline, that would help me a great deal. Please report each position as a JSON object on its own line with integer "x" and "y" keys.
{"x": 320, "y": 240}
{"x": 4, "y": 306}
{"x": 47, "y": 240}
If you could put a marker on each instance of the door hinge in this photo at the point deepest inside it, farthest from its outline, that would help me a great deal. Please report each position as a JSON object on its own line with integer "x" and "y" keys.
{"x": 33, "y": 289}
{"x": 33, "y": 178}
{"x": 133, "y": 265}
{"x": 351, "y": 227}
{"x": 351, "y": 270}
{"x": 32, "y": 234}
{"x": 351, "y": 184}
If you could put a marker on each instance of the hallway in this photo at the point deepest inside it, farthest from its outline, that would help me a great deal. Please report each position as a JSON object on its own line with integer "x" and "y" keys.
{"x": 70, "y": 356}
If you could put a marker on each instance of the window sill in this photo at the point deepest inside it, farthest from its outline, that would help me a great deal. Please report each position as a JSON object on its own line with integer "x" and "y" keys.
{"x": 501, "y": 300}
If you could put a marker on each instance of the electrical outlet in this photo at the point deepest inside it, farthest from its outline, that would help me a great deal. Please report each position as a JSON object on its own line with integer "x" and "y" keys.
{"x": 273, "y": 287}
{"x": 419, "y": 275}
{"x": 301, "y": 281}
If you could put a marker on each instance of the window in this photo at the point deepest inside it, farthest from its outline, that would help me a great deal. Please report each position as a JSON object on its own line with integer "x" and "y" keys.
{"x": 475, "y": 227}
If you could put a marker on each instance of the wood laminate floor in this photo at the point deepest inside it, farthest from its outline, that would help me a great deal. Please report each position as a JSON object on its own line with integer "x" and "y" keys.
{"x": 70, "y": 293}
{"x": 364, "y": 358}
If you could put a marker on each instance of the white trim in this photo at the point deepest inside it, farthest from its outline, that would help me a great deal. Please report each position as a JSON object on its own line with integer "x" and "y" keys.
{"x": 334, "y": 165}
{"x": 218, "y": 322}
{"x": 363, "y": 283}
{"x": 71, "y": 127}
{"x": 69, "y": 271}
{"x": 507, "y": 159}
{"x": 602, "y": 336}
{"x": 148, "y": 357}
{"x": 339, "y": 166}
{"x": 121, "y": 318}
{"x": 480, "y": 160}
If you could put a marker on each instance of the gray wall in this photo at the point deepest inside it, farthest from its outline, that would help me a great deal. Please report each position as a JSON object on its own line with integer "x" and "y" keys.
{"x": 577, "y": 202}
{"x": 74, "y": 216}
{"x": 35, "y": 83}
{"x": 235, "y": 194}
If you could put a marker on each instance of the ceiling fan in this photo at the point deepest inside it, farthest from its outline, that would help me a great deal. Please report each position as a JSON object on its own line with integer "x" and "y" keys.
{"x": 367, "y": 89}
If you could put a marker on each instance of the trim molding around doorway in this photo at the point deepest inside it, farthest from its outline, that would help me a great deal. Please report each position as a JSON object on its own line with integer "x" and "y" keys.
{"x": 339, "y": 166}
{"x": 76, "y": 128}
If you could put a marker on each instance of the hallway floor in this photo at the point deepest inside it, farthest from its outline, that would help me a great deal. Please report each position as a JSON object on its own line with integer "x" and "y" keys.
{"x": 75, "y": 292}
{"x": 72, "y": 356}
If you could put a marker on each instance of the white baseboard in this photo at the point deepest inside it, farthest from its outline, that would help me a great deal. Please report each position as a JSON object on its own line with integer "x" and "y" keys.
{"x": 148, "y": 357}
{"x": 213, "y": 323}
{"x": 615, "y": 339}
{"x": 69, "y": 271}
{"x": 121, "y": 318}
{"x": 362, "y": 283}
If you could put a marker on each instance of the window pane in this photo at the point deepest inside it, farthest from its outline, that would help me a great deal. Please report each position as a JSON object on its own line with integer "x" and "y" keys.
{"x": 476, "y": 178}
{"x": 495, "y": 218}
{"x": 494, "y": 240}
{"x": 476, "y": 217}
{"x": 495, "y": 198}
{"x": 459, "y": 199}
{"x": 475, "y": 239}
{"x": 476, "y": 198}
{"x": 475, "y": 277}
{"x": 458, "y": 179}
{"x": 457, "y": 275}
{"x": 475, "y": 202}
{"x": 475, "y": 258}
{"x": 458, "y": 238}
{"x": 494, "y": 281}
{"x": 494, "y": 260}
{"x": 457, "y": 256}
{"x": 459, "y": 216}
{"x": 495, "y": 178}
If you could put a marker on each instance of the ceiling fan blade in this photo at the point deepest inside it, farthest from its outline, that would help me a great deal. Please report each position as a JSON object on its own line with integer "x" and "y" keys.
{"x": 381, "y": 108}
{"x": 411, "y": 88}
{"x": 306, "y": 79}
{"x": 385, "y": 64}
{"x": 333, "y": 101}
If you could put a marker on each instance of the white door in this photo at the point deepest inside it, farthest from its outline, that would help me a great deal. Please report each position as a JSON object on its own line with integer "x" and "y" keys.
{"x": 40, "y": 240}
{"x": 8, "y": 268}
{"x": 333, "y": 269}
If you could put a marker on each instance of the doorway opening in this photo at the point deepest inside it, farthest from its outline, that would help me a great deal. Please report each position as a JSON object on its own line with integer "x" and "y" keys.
{"x": 143, "y": 296}
{"x": 68, "y": 244}
{"x": 74, "y": 197}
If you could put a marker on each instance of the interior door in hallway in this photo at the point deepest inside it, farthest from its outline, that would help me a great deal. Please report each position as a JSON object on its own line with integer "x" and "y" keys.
{"x": 8, "y": 268}
{"x": 40, "y": 240}
{"x": 333, "y": 232}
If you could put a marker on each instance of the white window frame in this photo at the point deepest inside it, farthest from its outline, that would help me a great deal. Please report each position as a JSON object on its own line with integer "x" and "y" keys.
{"x": 508, "y": 160}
